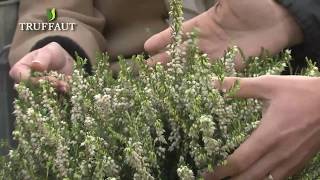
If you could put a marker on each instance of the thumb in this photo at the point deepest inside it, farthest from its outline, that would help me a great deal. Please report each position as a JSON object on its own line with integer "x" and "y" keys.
{"x": 159, "y": 41}
{"x": 257, "y": 87}
{"x": 52, "y": 57}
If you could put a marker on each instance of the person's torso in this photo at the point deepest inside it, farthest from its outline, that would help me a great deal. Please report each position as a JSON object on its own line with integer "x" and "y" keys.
{"x": 129, "y": 23}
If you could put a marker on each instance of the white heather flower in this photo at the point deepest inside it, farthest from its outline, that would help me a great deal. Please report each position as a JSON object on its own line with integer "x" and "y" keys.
{"x": 229, "y": 61}
{"x": 30, "y": 112}
{"x": 111, "y": 178}
{"x": 61, "y": 160}
{"x": 89, "y": 121}
{"x": 185, "y": 173}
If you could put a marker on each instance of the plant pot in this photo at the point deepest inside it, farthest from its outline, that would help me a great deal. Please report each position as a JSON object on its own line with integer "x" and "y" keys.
{"x": 8, "y": 20}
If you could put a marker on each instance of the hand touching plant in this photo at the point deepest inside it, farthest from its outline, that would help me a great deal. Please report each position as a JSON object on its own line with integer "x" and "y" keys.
{"x": 290, "y": 124}
{"x": 248, "y": 24}
{"x": 51, "y": 57}
{"x": 288, "y": 136}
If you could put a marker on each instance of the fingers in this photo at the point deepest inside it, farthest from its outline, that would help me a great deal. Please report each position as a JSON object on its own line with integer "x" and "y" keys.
{"x": 50, "y": 57}
{"x": 258, "y": 87}
{"x": 271, "y": 152}
{"x": 257, "y": 144}
{"x": 296, "y": 164}
{"x": 60, "y": 85}
{"x": 279, "y": 162}
{"x": 162, "y": 58}
{"x": 248, "y": 152}
{"x": 290, "y": 168}
{"x": 159, "y": 41}
{"x": 262, "y": 87}
{"x": 22, "y": 69}
{"x": 261, "y": 169}
{"x": 42, "y": 60}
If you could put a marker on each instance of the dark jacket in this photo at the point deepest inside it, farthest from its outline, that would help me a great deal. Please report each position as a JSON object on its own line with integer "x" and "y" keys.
{"x": 307, "y": 14}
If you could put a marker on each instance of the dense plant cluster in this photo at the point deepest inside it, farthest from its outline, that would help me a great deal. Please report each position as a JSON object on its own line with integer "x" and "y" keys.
{"x": 166, "y": 123}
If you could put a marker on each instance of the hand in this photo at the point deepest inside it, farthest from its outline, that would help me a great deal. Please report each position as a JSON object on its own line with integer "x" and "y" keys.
{"x": 248, "y": 24}
{"x": 288, "y": 136}
{"x": 50, "y": 57}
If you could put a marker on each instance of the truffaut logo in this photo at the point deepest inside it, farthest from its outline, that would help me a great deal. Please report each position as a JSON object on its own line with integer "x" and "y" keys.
{"x": 50, "y": 25}
{"x": 51, "y": 14}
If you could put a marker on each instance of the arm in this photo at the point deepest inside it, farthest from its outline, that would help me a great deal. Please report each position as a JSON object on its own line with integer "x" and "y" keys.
{"x": 86, "y": 39}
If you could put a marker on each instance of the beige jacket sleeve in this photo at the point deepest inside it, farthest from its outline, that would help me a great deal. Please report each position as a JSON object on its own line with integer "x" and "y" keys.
{"x": 87, "y": 34}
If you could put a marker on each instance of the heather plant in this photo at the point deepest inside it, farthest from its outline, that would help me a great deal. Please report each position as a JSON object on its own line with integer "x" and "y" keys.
{"x": 168, "y": 122}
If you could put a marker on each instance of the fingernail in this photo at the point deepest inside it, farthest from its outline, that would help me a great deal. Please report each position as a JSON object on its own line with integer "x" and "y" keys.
{"x": 36, "y": 65}
{"x": 36, "y": 61}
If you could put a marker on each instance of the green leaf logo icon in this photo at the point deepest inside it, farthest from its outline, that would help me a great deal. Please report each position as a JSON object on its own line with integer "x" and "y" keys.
{"x": 51, "y": 14}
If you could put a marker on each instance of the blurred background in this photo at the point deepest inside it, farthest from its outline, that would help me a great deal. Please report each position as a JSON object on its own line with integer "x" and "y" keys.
{"x": 8, "y": 21}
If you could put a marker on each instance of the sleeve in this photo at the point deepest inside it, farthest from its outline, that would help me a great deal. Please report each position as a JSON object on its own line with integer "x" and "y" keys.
{"x": 86, "y": 39}
{"x": 307, "y": 14}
